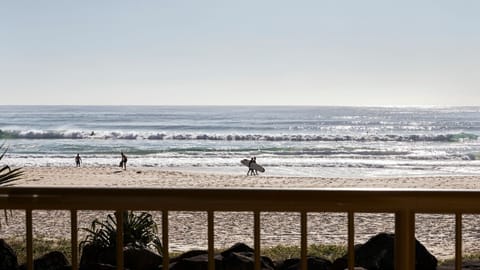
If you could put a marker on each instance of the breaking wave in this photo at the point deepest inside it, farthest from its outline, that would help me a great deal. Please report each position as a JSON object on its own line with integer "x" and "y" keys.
{"x": 74, "y": 135}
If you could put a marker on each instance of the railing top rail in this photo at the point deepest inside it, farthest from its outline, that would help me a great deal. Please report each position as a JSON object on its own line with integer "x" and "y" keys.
{"x": 46, "y": 189}
{"x": 243, "y": 199}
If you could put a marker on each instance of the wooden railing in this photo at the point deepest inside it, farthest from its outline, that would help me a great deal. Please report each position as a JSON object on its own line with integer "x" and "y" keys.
{"x": 404, "y": 203}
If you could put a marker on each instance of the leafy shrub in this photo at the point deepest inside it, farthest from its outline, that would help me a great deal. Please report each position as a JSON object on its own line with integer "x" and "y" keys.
{"x": 8, "y": 175}
{"x": 139, "y": 230}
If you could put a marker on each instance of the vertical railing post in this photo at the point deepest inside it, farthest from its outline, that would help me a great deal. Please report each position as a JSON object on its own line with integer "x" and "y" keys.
{"x": 351, "y": 240}
{"x": 165, "y": 255}
{"x": 404, "y": 240}
{"x": 211, "y": 243}
{"x": 303, "y": 241}
{"x": 458, "y": 241}
{"x": 256, "y": 238}
{"x": 120, "y": 218}
{"x": 74, "y": 238}
{"x": 29, "y": 228}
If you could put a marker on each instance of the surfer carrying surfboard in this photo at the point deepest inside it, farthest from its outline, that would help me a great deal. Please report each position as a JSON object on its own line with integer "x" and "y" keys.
{"x": 253, "y": 167}
{"x": 252, "y": 171}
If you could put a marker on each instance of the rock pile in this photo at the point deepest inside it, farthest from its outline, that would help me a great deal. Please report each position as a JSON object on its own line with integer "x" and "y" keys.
{"x": 375, "y": 254}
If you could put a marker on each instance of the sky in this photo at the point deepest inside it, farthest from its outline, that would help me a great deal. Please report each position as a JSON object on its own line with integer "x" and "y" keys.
{"x": 262, "y": 52}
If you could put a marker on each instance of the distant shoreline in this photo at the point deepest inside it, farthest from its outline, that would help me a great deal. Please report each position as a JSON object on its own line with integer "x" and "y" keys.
{"x": 196, "y": 177}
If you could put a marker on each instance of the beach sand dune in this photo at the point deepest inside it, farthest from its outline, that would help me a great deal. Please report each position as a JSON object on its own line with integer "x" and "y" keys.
{"x": 188, "y": 230}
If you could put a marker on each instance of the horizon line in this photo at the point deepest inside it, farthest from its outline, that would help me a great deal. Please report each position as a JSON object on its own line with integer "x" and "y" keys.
{"x": 235, "y": 105}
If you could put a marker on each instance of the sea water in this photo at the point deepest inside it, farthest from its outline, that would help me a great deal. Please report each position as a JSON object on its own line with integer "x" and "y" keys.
{"x": 293, "y": 141}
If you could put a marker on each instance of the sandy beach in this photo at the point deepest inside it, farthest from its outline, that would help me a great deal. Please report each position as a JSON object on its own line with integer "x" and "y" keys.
{"x": 188, "y": 229}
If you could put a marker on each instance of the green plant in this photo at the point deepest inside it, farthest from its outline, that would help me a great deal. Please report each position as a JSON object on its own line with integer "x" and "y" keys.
{"x": 139, "y": 230}
{"x": 8, "y": 175}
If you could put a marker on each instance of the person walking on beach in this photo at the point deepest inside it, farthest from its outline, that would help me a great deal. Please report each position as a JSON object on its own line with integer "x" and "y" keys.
{"x": 123, "y": 163}
{"x": 251, "y": 171}
{"x": 78, "y": 160}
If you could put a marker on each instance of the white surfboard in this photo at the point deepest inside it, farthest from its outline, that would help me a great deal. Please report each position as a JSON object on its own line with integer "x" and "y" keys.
{"x": 255, "y": 166}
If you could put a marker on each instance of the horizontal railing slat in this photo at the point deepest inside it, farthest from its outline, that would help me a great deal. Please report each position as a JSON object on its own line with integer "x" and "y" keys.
{"x": 328, "y": 200}
{"x": 405, "y": 203}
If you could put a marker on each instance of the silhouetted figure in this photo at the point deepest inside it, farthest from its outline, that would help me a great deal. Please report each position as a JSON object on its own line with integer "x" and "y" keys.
{"x": 251, "y": 171}
{"x": 123, "y": 163}
{"x": 78, "y": 160}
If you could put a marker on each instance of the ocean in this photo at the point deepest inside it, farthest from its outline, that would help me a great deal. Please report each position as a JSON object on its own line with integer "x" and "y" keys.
{"x": 289, "y": 141}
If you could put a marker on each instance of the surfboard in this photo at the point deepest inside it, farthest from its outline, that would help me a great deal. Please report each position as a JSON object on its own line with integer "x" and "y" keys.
{"x": 255, "y": 166}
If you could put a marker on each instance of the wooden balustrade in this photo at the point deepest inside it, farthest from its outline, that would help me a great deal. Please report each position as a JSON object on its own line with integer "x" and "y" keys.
{"x": 404, "y": 203}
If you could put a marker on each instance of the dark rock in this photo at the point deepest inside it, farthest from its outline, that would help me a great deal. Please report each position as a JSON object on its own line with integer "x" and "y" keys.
{"x": 97, "y": 266}
{"x": 239, "y": 261}
{"x": 188, "y": 254}
{"x": 238, "y": 257}
{"x": 238, "y": 247}
{"x": 135, "y": 258}
{"x": 312, "y": 263}
{"x": 242, "y": 257}
{"x": 340, "y": 264}
{"x": 92, "y": 255}
{"x": 378, "y": 254}
{"x": 54, "y": 260}
{"x": 424, "y": 260}
{"x": 8, "y": 258}
{"x": 197, "y": 262}
{"x": 141, "y": 259}
{"x": 245, "y": 261}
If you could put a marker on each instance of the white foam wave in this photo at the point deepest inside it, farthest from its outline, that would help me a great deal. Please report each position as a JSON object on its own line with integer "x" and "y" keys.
{"x": 49, "y": 134}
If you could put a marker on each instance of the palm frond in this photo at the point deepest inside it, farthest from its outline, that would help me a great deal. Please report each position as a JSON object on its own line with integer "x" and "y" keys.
{"x": 8, "y": 175}
{"x": 138, "y": 229}
{"x": 2, "y": 146}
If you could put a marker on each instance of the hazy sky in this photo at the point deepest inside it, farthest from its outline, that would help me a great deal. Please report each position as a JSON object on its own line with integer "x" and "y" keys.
{"x": 258, "y": 52}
